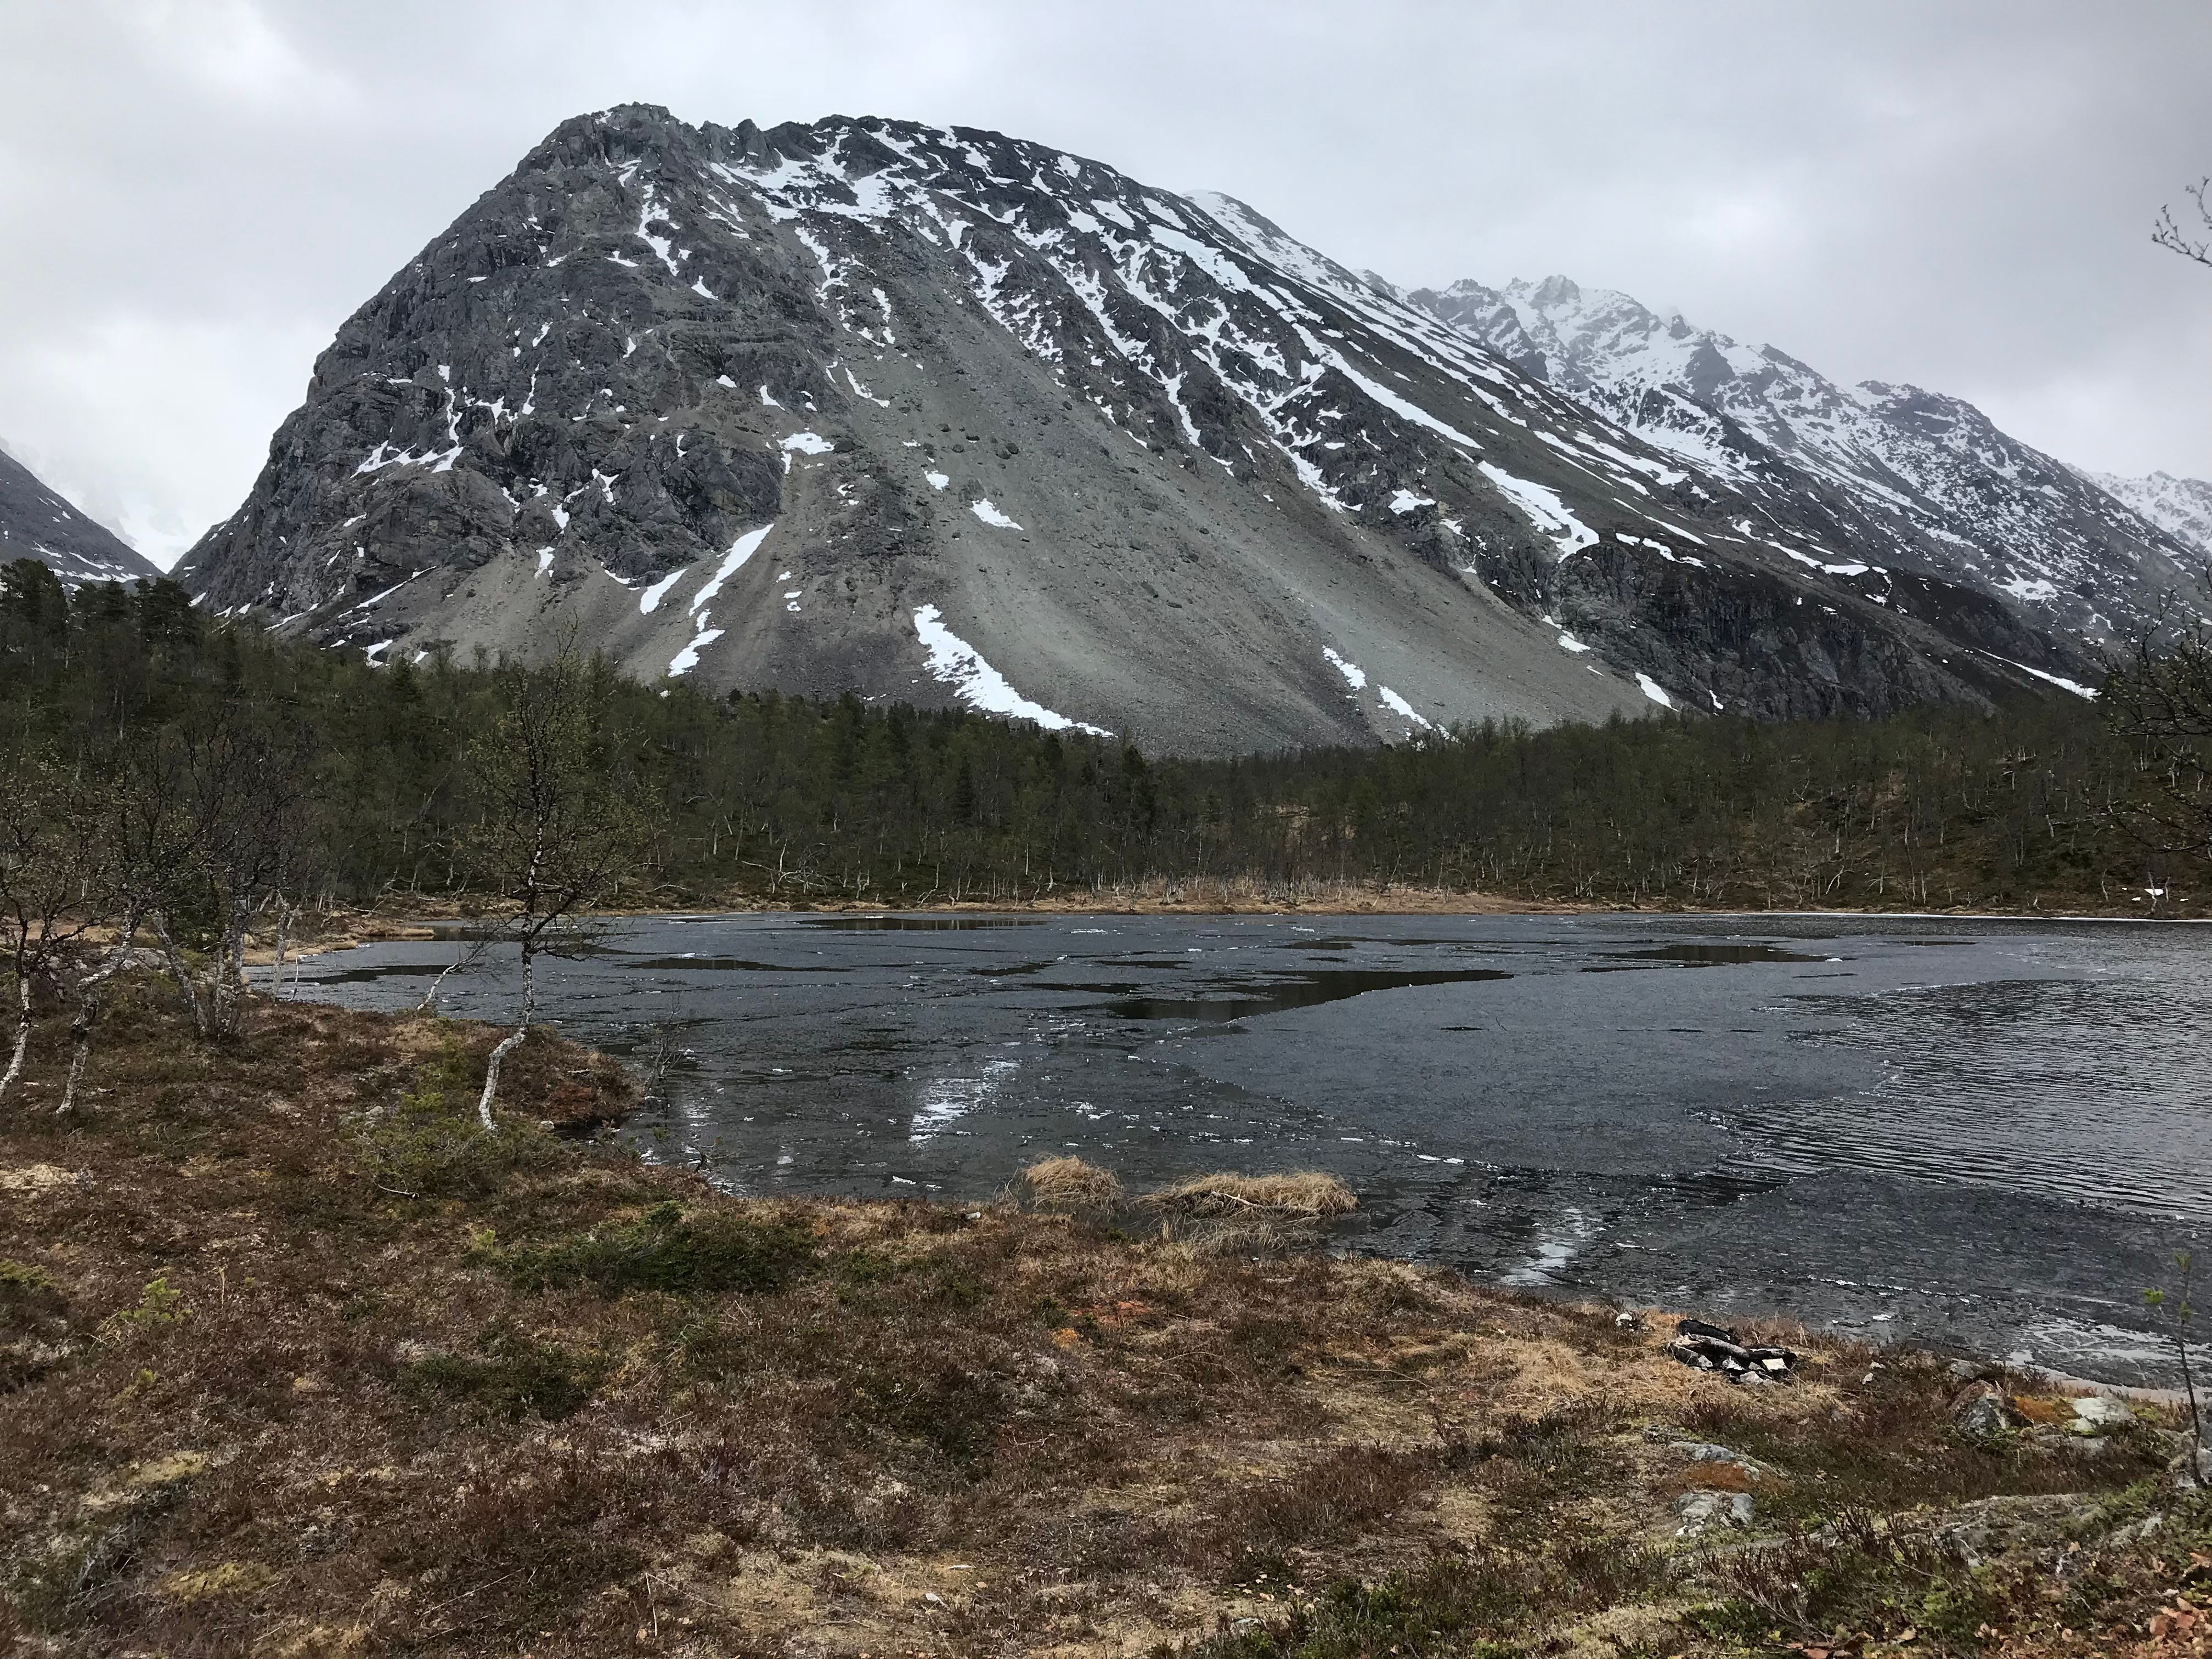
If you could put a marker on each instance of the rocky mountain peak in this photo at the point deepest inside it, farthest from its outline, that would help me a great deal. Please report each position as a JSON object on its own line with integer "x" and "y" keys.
{"x": 37, "y": 522}
{"x": 1555, "y": 293}
{"x": 943, "y": 415}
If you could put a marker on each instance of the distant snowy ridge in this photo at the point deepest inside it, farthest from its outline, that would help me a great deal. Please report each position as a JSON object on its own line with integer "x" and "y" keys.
{"x": 36, "y": 522}
{"x": 1874, "y": 474}
{"x": 2180, "y": 506}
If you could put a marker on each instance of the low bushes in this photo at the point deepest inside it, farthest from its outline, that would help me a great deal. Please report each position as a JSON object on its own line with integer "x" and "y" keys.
{"x": 703, "y": 1252}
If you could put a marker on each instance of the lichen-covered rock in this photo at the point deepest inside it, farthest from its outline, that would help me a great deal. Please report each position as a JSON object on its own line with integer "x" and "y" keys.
{"x": 1984, "y": 1415}
{"x": 1700, "y": 1511}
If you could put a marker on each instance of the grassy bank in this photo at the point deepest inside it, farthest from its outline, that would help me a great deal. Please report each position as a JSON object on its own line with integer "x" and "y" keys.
{"x": 295, "y": 1361}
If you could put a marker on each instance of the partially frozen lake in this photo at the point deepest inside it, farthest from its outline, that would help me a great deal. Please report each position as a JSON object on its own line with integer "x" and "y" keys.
{"x": 1982, "y": 1134}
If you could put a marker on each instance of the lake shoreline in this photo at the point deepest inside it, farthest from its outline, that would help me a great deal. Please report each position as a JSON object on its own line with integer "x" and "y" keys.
{"x": 1899, "y": 1130}
{"x": 343, "y": 926}
{"x": 350, "y": 1376}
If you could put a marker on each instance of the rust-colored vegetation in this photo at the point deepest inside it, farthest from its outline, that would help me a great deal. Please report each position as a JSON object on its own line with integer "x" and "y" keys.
{"x": 295, "y": 1360}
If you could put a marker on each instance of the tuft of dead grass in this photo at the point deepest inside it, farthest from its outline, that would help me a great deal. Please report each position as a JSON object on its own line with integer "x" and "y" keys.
{"x": 1309, "y": 1194}
{"x": 1068, "y": 1186}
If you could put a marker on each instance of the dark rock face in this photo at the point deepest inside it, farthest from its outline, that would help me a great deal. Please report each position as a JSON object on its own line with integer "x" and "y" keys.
{"x": 1892, "y": 476}
{"x": 942, "y": 416}
{"x": 36, "y": 523}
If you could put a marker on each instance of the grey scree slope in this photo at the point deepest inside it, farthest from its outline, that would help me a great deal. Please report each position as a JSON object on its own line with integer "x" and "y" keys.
{"x": 36, "y": 523}
{"x": 1019, "y": 428}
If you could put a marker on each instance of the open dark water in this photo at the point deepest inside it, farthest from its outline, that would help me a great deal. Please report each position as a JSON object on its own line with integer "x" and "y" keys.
{"x": 1982, "y": 1135}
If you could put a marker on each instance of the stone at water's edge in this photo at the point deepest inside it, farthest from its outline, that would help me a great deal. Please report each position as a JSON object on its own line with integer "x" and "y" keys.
{"x": 2100, "y": 1414}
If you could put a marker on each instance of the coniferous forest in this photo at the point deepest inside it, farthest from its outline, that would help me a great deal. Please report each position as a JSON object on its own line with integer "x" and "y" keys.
{"x": 370, "y": 781}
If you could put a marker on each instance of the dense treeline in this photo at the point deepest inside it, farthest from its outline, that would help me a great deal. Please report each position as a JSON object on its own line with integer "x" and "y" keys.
{"x": 768, "y": 797}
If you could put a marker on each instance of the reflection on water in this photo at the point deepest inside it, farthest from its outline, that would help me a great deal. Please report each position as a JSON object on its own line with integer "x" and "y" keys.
{"x": 1715, "y": 954}
{"x": 1311, "y": 988}
{"x": 917, "y": 924}
{"x": 1986, "y": 1134}
{"x": 729, "y": 965}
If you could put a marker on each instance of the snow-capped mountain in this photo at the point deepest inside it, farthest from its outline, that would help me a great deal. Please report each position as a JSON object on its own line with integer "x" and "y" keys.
{"x": 2180, "y": 506}
{"x": 1890, "y": 475}
{"x": 942, "y": 416}
{"x": 37, "y": 523}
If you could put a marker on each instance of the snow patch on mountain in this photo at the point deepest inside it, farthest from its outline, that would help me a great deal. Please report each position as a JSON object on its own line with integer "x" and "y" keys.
{"x": 2180, "y": 506}
{"x": 1545, "y": 510}
{"x": 956, "y": 663}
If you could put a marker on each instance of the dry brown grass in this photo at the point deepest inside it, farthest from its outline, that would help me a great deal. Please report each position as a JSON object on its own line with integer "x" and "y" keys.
{"x": 1068, "y": 1186}
{"x": 294, "y": 1362}
{"x": 1308, "y": 1192}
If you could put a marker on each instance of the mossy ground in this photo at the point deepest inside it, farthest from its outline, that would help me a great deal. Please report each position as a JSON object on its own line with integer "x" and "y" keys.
{"x": 295, "y": 1361}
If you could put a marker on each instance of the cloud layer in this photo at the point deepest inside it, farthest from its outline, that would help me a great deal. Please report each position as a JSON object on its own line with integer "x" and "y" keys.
{"x": 1954, "y": 194}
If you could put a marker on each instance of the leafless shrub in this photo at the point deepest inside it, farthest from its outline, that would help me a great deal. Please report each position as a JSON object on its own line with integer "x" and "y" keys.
{"x": 558, "y": 828}
{"x": 57, "y": 876}
{"x": 2191, "y": 244}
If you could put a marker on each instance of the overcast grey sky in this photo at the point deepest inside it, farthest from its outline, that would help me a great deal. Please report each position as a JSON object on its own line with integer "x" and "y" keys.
{"x": 1957, "y": 194}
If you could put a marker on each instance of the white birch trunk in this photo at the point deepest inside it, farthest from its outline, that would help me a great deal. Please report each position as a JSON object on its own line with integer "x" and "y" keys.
{"x": 188, "y": 986}
{"x": 87, "y": 1009}
{"x": 506, "y": 1044}
{"x": 80, "y": 1051}
{"x": 491, "y": 1076}
{"x": 22, "y": 1034}
{"x": 235, "y": 975}
{"x": 283, "y": 934}
{"x": 468, "y": 957}
{"x": 429, "y": 1001}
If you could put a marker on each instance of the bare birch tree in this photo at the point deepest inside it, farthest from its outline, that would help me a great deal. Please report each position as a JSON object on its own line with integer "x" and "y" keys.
{"x": 558, "y": 828}
{"x": 240, "y": 788}
{"x": 2157, "y": 695}
{"x": 2195, "y": 243}
{"x": 57, "y": 870}
{"x": 472, "y": 952}
{"x": 153, "y": 842}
